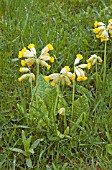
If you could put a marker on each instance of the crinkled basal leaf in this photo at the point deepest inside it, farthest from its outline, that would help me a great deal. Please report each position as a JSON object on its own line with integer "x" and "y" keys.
{"x": 46, "y": 100}
{"x": 46, "y": 92}
{"x": 81, "y": 105}
{"x": 39, "y": 115}
{"x": 109, "y": 148}
{"x": 48, "y": 95}
{"x": 82, "y": 90}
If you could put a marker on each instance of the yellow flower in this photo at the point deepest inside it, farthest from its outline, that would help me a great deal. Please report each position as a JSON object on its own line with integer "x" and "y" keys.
{"x": 96, "y": 23}
{"x": 23, "y": 63}
{"x": 52, "y": 59}
{"x": 32, "y": 76}
{"x": 24, "y": 49}
{"x": 24, "y": 76}
{"x": 89, "y": 66}
{"x": 73, "y": 77}
{"x": 68, "y": 83}
{"x": 47, "y": 79}
{"x": 62, "y": 111}
{"x": 100, "y": 60}
{"x": 110, "y": 20}
{"x": 50, "y": 47}
{"x": 20, "y": 55}
{"x": 79, "y": 56}
{"x": 53, "y": 83}
{"x": 96, "y": 30}
{"x": 93, "y": 59}
{"x": 81, "y": 78}
{"x": 67, "y": 68}
{"x": 24, "y": 69}
{"x": 97, "y": 36}
{"x": 45, "y": 50}
{"x": 31, "y": 45}
{"x": 48, "y": 67}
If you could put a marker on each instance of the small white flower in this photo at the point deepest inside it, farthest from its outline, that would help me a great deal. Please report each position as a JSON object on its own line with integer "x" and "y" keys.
{"x": 28, "y": 54}
{"x": 24, "y": 69}
{"x": 79, "y": 72}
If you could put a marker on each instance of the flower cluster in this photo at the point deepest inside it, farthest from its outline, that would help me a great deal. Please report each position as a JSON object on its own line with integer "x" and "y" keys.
{"x": 31, "y": 58}
{"x": 93, "y": 59}
{"x": 64, "y": 77}
{"x": 102, "y": 31}
{"x": 78, "y": 68}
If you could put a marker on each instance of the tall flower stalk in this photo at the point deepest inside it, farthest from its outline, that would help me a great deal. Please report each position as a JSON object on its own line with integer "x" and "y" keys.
{"x": 105, "y": 58}
{"x": 103, "y": 32}
{"x": 78, "y": 71}
{"x": 63, "y": 78}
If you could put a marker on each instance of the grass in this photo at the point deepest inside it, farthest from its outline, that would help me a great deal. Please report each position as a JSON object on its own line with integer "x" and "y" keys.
{"x": 68, "y": 26}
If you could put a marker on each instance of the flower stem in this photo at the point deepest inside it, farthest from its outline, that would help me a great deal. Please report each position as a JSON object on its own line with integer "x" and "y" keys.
{"x": 56, "y": 101}
{"x": 65, "y": 121}
{"x": 73, "y": 100}
{"x": 55, "y": 106}
{"x": 37, "y": 84}
{"x": 96, "y": 76}
{"x": 104, "y": 73}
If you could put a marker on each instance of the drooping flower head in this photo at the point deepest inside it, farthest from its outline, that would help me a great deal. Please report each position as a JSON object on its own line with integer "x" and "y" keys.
{"x": 64, "y": 77}
{"x": 29, "y": 76}
{"x": 93, "y": 59}
{"x": 78, "y": 69}
{"x": 31, "y": 58}
{"x": 102, "y": 31}
{"x": 109, "y": 27}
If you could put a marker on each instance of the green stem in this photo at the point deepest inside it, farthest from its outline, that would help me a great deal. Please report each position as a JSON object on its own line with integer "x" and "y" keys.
{"x": 73, "y": 101}
{"x": 55, "y": 106}
{"x": 37, "y": 84}
{"x": 104, "y": 73}
{"x": 56, "y": 101}
{"x": 65, "y": 121}
{"x": 31, "y": 88}
{"x": 96, "y": 75}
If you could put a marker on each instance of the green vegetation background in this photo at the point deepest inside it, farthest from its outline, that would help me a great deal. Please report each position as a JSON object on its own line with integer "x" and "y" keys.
{"x": 67, "y": 25}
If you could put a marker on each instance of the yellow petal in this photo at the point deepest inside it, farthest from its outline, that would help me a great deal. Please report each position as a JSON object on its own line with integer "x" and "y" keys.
{"x": 50, "y": 47}
{"x": 53, "y": 83}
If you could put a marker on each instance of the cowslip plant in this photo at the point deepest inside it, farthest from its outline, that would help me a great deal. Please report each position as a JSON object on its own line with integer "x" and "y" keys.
{"x": 31, "y": 58}
{"x": 57, "y": 79}
{"x": 103, "y": 32}
{"x": 60, "y": 79}
{"x": 78, "y": 71}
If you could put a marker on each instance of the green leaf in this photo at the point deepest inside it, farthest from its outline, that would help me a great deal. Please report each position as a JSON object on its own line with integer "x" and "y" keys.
{"x": 82, "y": 90}
{"x": 29, "y": 162}
{"x": 23, "y": 127}
{"x": 64, "y": 166}
{"x": 81, "y": 105}
{"x": 108, "y": 136}
{"x": 109, "y": 148}
{"x": 27, "y": 144}
{"x": 67, "y": 130}
{"x": 18, "y": 150}
{"x": 48, "y": 167}
{"x": 23, "y": 137}
{"x": 35, "y": 144}
{"x": 59, "y": 134}
{"x": 31, "y": 150}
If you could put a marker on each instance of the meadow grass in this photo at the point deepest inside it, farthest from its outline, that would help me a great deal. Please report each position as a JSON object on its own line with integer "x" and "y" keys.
{"x": 68, "y": 26}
